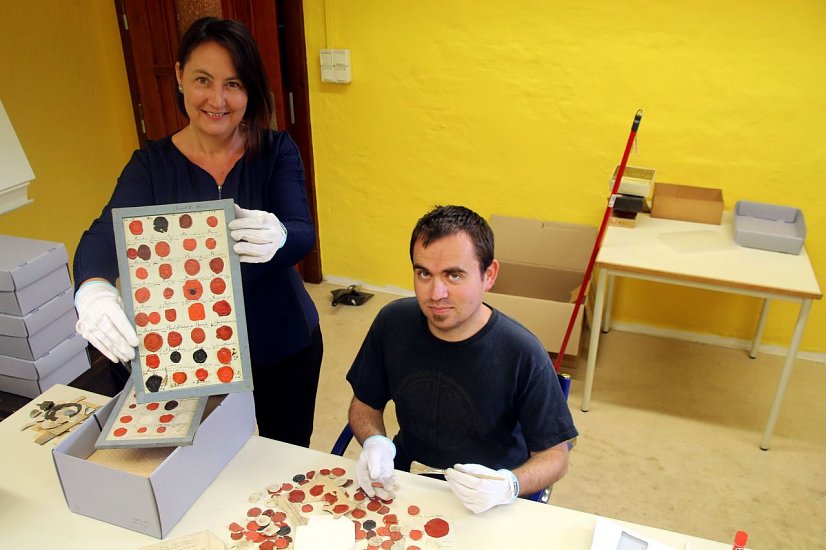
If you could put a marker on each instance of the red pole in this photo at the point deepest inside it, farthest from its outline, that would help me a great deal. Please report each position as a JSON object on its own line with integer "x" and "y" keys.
{"x": 587, "y": 277}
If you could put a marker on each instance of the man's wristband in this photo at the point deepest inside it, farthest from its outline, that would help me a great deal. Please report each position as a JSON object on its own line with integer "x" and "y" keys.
{"x": 384, "y": 441}
{"x": 514, "y": 481}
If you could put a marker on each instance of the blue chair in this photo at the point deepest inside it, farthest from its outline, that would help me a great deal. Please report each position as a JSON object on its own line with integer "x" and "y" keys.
{"x": 545, "y": 494}
{"x": 343, "y": 441}
{"x": 542, "y": 496}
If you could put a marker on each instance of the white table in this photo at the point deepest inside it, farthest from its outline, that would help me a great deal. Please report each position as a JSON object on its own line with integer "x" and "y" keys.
{"x": 702, "y": 256}
{"x": 33, "y": 512}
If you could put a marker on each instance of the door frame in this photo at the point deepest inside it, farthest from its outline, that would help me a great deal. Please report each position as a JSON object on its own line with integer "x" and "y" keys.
{"x": 278, "y": 28}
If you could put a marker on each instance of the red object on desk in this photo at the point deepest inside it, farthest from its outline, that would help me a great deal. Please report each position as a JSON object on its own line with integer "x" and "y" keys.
{"x": 740, "y": 540}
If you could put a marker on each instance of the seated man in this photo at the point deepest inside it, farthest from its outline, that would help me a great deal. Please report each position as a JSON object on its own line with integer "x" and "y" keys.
{"x": 475, "y": 391}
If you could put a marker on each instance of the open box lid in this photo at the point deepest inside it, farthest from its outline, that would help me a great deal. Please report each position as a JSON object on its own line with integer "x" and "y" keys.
{"x": 150, "y": 502}
{"x": 23, "y": 261}
{"x": 552, "y": 244}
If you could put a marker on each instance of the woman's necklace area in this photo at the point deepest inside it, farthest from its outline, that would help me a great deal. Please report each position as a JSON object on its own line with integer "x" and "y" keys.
{"x": 218, "y": 164}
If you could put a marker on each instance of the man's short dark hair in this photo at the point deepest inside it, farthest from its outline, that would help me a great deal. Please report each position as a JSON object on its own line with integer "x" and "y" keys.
{"x": 444, "y": 221}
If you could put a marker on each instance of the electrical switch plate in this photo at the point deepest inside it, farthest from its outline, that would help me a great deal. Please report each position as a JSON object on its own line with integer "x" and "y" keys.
{"x": 335, "y": 66}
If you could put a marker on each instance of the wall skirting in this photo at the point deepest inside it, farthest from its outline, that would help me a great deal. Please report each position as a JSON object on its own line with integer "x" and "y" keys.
{"x": 700, "y": 338}
{"x": 714, "y": 340}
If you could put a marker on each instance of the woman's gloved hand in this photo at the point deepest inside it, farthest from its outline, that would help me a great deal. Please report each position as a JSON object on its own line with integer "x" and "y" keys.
{"x": 480, "y": 494}
{"x": 375, "y": 466}
{"x": 102, "y": 321}
{"x": 259, "y": 235}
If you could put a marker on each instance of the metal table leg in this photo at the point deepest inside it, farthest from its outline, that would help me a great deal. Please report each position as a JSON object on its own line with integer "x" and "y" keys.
{"x": 758, "y": 333}
{"x": 609, "y": 302}
{"x": 791, "y": 356}
{"x": 599, "y": 301}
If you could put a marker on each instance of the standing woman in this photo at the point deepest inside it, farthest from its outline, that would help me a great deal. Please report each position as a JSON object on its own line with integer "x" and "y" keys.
{"x": 226, "y": 151}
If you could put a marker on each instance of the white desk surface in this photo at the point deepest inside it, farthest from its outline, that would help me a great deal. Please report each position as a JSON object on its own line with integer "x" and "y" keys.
{"x": 33, "y": 512}
{"x": 708, "y": 254}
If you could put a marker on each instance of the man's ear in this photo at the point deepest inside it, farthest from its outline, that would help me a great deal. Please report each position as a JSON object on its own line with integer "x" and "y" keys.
{"x": 490, "y": 274}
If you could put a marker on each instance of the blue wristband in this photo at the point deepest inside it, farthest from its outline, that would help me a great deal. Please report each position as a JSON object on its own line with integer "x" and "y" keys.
{"x": 392, "y": 445}
{"x": 87, "y": 284}
{"x": 284, "y": 238}
{"x": 514, "y": 481}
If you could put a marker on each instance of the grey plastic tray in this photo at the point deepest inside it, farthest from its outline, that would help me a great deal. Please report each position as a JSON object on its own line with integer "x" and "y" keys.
{"x": 769, "y": 227}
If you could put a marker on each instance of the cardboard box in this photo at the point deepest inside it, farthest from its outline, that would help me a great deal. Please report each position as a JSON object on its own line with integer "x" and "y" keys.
{"x": 37, "y": 344}
{"x": 769, "y": 227}
{"x": 36, "y": 320}
{"x": 542, "y": 265}
{"x": 627, "y": 203}
{"x": 151, "y": 504}
{"x": 623, "y": 219}
{"x": 24, "y": 264}
{"x": 64, "y": 373}
{"x": 635, "y": 180}
{"x": 687, "y": 203}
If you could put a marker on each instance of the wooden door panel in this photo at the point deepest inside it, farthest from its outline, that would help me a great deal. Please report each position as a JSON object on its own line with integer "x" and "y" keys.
{"x": 150, "y": 35}
{"x": 153, "y": 36}
{"x": 261, "y": 18}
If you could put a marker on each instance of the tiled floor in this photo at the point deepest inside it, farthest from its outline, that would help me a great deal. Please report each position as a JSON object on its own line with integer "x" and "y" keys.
{"x": 671, "y": 439}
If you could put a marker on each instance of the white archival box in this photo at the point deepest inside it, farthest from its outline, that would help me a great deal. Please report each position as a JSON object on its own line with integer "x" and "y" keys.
{"x": 32, "y": 272}
{"x": 151, "y": 504}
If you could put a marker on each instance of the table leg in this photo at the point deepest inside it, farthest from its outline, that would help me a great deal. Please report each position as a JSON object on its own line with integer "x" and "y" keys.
{"x": 609, "y": 301}
{"x": 758, "y": 333}
{"x": 594, "y": 342}
{"x": 805, "y": 306}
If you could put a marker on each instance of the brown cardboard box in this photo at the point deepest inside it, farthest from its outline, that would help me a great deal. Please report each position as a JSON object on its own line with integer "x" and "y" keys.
{"x": 542, "y": 265}
{"x": 687, "y": 203}
{"x": 623, "y": 219}
{"x": 635, "y": 181}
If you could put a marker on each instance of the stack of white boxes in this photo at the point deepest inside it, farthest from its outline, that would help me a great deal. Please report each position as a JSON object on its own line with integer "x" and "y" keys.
{"x": 38, "y": 344}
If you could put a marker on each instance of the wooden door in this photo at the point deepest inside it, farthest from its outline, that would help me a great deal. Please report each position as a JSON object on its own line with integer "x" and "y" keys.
{"x": 150, "y": 31}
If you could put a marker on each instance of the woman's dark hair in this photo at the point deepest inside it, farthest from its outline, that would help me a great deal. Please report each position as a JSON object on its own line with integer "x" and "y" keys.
{"x": 238, "y": 41}
{"x": 444, "y": 221}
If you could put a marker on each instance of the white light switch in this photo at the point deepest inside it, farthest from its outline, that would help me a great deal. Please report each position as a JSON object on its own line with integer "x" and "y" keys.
{"x": 335, "y": 66}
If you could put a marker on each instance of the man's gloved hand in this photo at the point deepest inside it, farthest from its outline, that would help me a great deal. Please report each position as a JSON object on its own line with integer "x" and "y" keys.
{"x": 479, "y": 494}
{"x": 375, "y": 465}
{"x": 259, "y": 235}
{"x": 103, "y": 323}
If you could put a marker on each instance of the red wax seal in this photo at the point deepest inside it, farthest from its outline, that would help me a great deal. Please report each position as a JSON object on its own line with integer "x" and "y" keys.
{"x": 162, "y": 249}
{"x": 436, "y": 528}
{"x": 222, "y": 308}
{"x": 153, "y": 341}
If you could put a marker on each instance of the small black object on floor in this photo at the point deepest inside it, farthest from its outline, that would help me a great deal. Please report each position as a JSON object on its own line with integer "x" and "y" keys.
{"x": 349, "y": 296}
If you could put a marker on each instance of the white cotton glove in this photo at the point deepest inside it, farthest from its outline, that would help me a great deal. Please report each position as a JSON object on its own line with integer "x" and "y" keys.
{"x": 103, "y": 323}
{"x": 479, "y": 494}
{"x": 375, "y": 465}
{"x": 259, "y": 234}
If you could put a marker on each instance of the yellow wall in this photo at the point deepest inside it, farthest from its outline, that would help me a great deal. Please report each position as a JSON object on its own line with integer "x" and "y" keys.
{"x": 63, "y": 84}
{"x": 518, "y": 108}
{"x": 523, "y": 108}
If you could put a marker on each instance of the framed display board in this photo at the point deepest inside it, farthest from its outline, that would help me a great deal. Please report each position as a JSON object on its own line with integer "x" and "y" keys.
{"x": 153, "y": 424}
{"x": 181, "y": 285}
